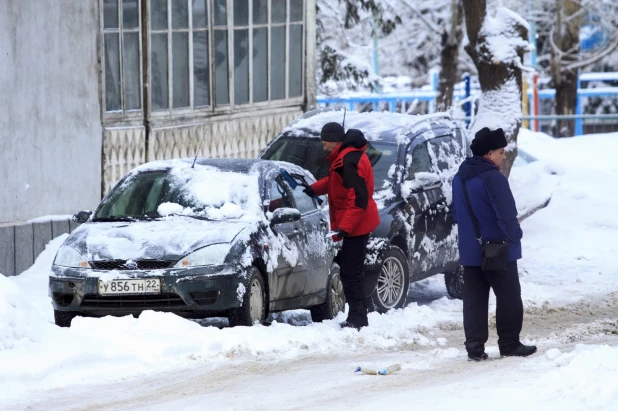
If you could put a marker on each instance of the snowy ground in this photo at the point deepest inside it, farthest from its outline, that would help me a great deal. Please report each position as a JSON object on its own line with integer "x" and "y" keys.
{"x": 569, "y": 278}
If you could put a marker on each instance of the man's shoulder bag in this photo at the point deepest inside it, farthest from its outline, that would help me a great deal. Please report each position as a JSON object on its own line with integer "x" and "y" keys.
{"x": 495, "y": 253}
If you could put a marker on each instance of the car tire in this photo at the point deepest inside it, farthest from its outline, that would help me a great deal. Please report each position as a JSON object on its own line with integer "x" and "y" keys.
{"x": 335, "y": 298}
{"x": 64, "y": 318}
{"x": 253, "y": 308}
{"x": 455, "y": 283}
{"x": 393, "y": 282}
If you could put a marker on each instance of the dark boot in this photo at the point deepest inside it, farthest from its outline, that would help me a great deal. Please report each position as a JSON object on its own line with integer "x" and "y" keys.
{"x": 347, "y": 324}
{"x": 477, "y": 358}
{"x": 519, "y": 351}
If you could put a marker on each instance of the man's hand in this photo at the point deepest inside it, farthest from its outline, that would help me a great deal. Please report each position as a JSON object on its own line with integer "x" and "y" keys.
{"x": 342, "y": 234}
{"x": 309, "y": 191}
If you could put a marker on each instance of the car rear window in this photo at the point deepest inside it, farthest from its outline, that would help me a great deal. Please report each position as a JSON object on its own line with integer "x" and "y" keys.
{"x": 307, "y": 152}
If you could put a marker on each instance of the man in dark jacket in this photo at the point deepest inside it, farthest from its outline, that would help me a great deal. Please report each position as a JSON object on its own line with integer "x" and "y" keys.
{"x": 353, "y": 212}
{"x": 493, "y": 206}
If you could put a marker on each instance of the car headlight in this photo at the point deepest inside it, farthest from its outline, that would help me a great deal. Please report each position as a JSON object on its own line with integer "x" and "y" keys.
{"x": 210, "y": 255}
{"x": 67, "y": 256}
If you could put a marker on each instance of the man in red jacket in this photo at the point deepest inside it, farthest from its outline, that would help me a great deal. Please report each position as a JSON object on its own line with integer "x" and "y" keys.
{"x": 353, "y": 212}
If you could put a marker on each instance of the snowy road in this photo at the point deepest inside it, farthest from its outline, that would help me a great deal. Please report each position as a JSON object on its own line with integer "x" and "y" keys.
{"x": 569, "y": 278}
{"x": 436, "y": 378}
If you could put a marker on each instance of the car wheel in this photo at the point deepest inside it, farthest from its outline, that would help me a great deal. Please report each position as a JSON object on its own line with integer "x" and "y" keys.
{"x": 253, "y": 308}
{"x": 455, "y": 283}
{"x": 64, "y": 318}
{"x": 335, "y": 298}
{"x": 393, "y": 281}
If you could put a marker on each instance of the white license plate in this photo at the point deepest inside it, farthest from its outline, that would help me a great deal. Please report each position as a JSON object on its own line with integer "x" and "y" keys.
{"x": 146, "y": 286}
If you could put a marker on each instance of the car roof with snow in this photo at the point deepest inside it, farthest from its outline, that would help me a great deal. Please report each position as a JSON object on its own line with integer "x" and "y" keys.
{"x": 232, "y": 165}
{"x": 384, "y": 126}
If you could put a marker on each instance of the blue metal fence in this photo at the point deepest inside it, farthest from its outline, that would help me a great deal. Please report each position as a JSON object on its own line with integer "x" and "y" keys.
{"x": 465, "y": 94}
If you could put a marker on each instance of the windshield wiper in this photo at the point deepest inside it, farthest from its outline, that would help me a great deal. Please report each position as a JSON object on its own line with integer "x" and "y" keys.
{"x": 197, "y": 217}
{"x": 112, "y": 218}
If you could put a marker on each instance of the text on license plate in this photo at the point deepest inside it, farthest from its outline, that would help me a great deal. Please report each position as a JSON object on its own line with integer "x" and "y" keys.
{"x": 146, "y": 286}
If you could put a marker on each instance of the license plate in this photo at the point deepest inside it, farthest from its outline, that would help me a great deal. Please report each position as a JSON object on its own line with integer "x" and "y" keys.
{"x": 146, "y": 286}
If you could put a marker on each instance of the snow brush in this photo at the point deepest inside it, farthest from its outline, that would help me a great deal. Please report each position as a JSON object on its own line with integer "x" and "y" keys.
{"x": 293, "y": 183}
{"x": 391, "y": 369}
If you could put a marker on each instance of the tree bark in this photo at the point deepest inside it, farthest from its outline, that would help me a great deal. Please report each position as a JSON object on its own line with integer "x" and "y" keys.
{"x": 449, "y": 57}
{"x": 565, "y": 50}
{"x": 501, "y": 81}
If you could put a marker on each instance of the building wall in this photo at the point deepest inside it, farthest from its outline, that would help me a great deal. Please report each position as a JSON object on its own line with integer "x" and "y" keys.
{"x": 50, "y": 121}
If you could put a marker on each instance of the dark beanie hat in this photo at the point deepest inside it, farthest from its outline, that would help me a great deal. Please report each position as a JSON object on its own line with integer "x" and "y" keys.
{"x": 332, "y": 132}
{"x": 486, "y": 140}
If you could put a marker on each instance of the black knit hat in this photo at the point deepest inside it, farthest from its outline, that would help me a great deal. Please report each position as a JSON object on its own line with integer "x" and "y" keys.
{"x": 332, "y": 132}
{"x": 486, "y": 140}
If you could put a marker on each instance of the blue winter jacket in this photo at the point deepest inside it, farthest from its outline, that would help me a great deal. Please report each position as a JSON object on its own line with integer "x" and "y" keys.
{"x": 493, "y": 205}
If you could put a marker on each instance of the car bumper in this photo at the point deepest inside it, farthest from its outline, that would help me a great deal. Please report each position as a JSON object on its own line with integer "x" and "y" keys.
{"x": 192, "y": 293}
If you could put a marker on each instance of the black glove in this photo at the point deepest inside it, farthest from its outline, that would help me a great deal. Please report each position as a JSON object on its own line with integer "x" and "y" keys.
{"x": 342, "y": 234}
{"x": 309, "y": 191}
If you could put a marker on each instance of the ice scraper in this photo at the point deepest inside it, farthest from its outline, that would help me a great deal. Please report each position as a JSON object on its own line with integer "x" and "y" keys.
{"x": 291, "y": 180}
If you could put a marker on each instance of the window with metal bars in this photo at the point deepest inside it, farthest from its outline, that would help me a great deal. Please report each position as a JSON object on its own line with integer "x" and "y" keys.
{"x": 204, "y": 53}
{"x": 121, "y": 20}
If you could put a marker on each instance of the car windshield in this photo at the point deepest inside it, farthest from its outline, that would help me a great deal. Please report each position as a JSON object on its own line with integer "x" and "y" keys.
{"x": 307, "y": 152}
{"x": 203, "y": 192}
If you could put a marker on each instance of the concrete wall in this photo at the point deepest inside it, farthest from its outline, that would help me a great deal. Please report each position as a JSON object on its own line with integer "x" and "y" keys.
{"x": 50, "y": 119}
{"x": 21, "y": 244}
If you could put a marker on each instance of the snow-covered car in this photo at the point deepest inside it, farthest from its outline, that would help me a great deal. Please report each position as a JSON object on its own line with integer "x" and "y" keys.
{"x": 220, "y": 238}
{"x": 414, "y": 160}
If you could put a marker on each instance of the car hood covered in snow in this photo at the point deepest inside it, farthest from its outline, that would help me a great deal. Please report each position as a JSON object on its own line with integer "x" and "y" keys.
{"x": 170, "y": 238}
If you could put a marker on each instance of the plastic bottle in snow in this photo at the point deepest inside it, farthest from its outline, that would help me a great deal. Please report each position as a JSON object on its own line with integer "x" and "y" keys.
{"x": 384, "y": 371}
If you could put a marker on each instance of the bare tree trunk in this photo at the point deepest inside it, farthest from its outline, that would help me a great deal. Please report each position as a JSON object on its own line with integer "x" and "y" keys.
{"x": 449, "y": 57}
{"x": 565, "y": 49}
{"x": 501, "y": 80}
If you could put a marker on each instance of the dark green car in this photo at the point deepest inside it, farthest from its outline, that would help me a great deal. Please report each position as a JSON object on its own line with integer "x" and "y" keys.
{"x": 220, "y": 238}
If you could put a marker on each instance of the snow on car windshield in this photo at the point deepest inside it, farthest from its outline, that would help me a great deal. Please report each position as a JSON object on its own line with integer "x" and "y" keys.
{"x": 173, "y": 187}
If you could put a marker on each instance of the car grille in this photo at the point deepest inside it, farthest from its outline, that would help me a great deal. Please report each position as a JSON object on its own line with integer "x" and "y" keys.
{"x": 145, "y": 301}
{"x": 141, "y": 264}
{"x": 207, "y": 298}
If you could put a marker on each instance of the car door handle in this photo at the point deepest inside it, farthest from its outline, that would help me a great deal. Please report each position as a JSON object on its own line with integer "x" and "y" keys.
{"x": 323, "y": 223}
{"x": 441, "y": 207}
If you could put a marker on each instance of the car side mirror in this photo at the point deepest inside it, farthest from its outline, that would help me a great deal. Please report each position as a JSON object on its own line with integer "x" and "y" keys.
{"x": 82, "y": 216}
{"x": 284, "y": 215}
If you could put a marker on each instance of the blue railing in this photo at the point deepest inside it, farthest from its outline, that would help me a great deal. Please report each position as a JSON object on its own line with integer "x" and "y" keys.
{"x": 465, "y": 94}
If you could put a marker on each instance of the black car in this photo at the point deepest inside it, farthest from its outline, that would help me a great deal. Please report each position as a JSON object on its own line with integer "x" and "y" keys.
{"x": 414, "y": 160}
{"x": 219, "y": 238}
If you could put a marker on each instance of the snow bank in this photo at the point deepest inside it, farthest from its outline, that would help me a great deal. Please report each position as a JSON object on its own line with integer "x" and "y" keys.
{"x": 587, "y": 375}
{"x": 569, "y": 248}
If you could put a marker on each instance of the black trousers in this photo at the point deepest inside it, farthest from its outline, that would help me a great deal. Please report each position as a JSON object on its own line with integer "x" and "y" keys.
{"x": 509, "y": 307}
{"x": 351, "y": 261}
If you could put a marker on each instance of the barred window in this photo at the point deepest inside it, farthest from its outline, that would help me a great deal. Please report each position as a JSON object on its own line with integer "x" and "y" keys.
{"x": 204, "y": 54}
{"x": 122, "y": 50}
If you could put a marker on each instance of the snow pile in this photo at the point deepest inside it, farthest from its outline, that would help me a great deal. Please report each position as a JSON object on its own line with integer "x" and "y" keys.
{"x": 533, "y": 185}
{"x": 20, "y": 324}
{"x": 166, "y": 209}
{"x": 587, "y": 375}
{"x": 568, "y": 247}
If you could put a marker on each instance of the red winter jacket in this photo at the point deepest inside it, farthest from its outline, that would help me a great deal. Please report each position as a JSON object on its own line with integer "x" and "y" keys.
{"x": 349, "y": 186}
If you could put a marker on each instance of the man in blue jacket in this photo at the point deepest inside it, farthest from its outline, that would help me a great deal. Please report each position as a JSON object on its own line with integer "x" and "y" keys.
{"x": 493, "y": 205}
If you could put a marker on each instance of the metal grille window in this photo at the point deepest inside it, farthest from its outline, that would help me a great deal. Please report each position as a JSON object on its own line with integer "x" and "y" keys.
{"x": 268, "y": 50}
{"x": 122, "y": 51}
{"x": 203, "y": 53}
